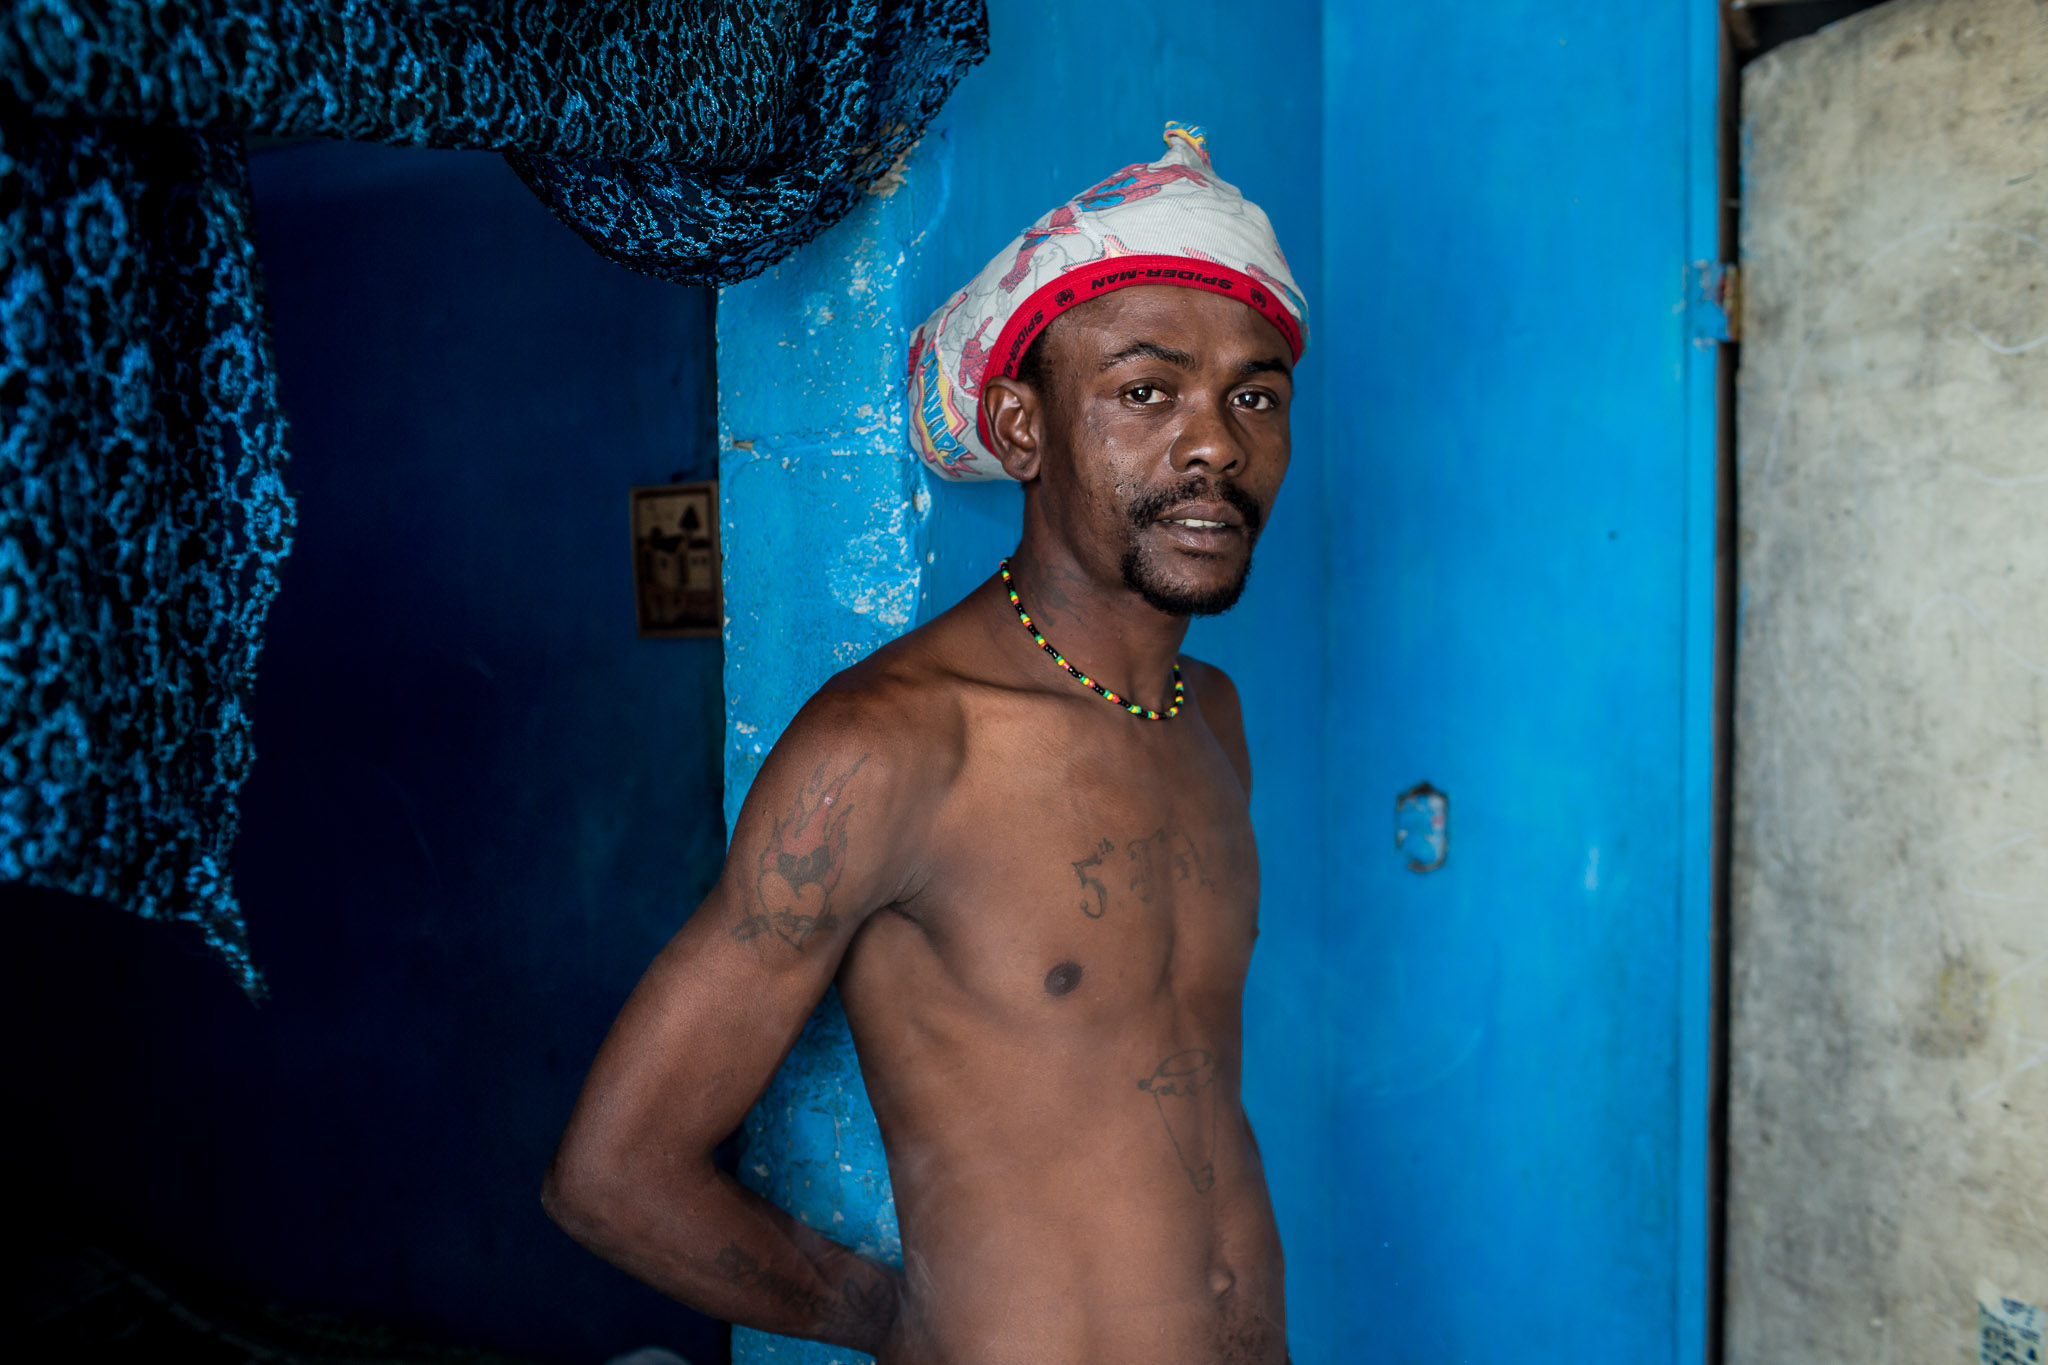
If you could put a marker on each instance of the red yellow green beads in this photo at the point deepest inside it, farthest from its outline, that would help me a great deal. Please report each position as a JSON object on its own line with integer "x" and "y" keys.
{"x": 1180, "y": 694}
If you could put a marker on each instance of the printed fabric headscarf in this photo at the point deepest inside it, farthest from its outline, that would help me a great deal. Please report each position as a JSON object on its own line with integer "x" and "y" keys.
{"x": 1173, "y": 221}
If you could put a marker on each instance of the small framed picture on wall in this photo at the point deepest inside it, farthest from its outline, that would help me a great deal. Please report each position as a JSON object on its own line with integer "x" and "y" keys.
{"x": 675, "y": 559}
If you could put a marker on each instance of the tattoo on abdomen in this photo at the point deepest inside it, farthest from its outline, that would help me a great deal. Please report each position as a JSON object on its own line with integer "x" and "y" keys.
{"x": 1160, "y": 855}
{"x": 1183, "y": 1086}
{"x": 801, "y": 863}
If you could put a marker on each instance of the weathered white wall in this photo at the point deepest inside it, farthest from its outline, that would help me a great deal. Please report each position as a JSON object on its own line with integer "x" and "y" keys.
{"x": 1889, "y": 1001}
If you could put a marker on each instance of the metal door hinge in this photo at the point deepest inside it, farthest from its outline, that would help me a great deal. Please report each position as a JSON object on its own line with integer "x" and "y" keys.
{"x": 1714, "y": 301}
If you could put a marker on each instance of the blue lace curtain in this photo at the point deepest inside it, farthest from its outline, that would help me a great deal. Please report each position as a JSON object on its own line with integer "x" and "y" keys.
{"x": 143, "y": 513}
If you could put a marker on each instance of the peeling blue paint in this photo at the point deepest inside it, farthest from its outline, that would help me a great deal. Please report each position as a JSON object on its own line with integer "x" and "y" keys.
{"x": 823, "y": 518}
{"x": 1706, "y": 302}
{"x": 1422, "y": 833}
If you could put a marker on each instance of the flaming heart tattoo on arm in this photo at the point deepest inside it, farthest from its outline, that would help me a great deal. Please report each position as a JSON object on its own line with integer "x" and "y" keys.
{"x": 801, "y": 863}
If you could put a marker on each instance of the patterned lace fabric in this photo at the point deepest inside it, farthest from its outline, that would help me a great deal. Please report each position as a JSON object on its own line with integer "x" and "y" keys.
{"x": 143, "y": 511}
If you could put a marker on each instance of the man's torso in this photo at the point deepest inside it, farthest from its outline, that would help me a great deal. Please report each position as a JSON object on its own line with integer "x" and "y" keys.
{"x": 1050, "y": 1029}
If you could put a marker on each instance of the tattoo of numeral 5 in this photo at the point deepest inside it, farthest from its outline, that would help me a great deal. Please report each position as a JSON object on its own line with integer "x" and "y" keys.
{"x": 1088, "y": 883}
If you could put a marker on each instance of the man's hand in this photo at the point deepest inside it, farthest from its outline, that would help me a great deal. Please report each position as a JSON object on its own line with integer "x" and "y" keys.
{"x": 817, "y": 849}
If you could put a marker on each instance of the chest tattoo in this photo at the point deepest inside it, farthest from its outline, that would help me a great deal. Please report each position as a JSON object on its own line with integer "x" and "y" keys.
{"x": 1138, "y": 866}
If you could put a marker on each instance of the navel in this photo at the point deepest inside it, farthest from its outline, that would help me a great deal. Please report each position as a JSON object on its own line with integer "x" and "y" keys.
{"x": 1063, "y": 978}
{"x": 1221, "y": 1281}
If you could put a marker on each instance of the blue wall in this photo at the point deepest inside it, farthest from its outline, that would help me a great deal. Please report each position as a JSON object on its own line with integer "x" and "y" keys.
{"x": 480, "y": 803}
{"x": 1481, "y": 1091}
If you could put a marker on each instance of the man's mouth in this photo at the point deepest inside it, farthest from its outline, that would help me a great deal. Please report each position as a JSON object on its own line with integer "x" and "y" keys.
{"x": 1192, "y": 545}
{"x": 1203, "y": 524}
{"x": 1205, "y": 528}
{"x": 1204, "y": 515}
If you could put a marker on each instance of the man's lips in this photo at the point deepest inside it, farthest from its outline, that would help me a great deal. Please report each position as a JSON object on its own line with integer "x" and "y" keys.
{"x": 1202, "y": 516}
{"x": 1204, "y": 528}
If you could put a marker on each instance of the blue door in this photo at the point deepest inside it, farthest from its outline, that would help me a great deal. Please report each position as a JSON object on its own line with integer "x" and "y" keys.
{"x": 1519, "y": 473}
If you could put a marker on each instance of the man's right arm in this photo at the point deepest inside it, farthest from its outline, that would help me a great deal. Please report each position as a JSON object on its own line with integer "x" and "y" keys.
{"x": 817, "y": 848}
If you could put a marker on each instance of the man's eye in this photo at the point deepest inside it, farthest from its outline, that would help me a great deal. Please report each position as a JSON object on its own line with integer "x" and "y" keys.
{"x": 1145, "y": 394}
{"x": 1255, "y": 401}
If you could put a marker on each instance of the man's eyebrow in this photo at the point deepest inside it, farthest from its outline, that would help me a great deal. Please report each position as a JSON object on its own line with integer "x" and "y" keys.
{"x": 1152, "y": 350}
{"x": 1268, "y": 365}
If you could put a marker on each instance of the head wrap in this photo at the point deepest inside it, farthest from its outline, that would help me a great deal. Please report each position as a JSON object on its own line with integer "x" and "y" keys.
{"x": 1173, "y": 221}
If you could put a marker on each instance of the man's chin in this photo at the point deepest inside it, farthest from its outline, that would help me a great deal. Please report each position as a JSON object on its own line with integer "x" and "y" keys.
{"x": 1184, "y": 594}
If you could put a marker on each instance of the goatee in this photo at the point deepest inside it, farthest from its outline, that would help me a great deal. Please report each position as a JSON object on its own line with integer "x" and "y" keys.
{"x": 1143, "y": 577}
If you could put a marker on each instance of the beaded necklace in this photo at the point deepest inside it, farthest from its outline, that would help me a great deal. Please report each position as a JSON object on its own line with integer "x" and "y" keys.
{"x": 1180, "y": 695}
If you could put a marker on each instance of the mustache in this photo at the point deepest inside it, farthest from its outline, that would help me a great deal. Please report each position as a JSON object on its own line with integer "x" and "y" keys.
{"x": 1146, "y": 509}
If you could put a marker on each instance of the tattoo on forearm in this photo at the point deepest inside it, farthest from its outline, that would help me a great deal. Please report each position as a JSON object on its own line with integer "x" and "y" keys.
{"x": 868, "y": 1303}
{"x": 1162, "y": 855}
{"x": 1183, "y": 1086}
{"x": 801, "y": 864}
{"x": 857, "y": 1304}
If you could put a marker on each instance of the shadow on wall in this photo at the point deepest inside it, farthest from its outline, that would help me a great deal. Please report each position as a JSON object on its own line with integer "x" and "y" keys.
{"x": 1762, "y": 25}
{"x": 480, "y": 803}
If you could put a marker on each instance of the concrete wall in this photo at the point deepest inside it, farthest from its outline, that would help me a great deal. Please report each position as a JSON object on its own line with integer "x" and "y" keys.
{"x": 1889, "y": 1107}
{"x": 480, "y": 804}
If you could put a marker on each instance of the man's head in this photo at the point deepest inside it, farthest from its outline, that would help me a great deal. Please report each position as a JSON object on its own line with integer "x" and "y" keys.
{"x": 1149, "y": 428}
{"x": 1136, "y": 342}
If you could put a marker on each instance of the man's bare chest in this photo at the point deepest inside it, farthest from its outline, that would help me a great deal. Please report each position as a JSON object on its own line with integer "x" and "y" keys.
{"x": 1099, "y": 877}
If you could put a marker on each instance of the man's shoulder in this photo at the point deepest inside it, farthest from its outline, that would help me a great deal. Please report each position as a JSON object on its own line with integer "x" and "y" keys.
{"x": 1212, "y": 687}
{"x": 1216, "y": 695}
{"x": 902, "y": 704}
{"x": 1200, "y": 671}
{"x": 894, "y": 695}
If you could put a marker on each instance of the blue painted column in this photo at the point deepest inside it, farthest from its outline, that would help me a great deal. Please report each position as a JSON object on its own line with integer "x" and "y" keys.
{"x": 823, "y": 521}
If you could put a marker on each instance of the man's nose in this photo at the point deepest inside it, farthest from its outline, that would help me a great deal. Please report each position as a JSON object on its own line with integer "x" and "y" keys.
{"x": 1207, "y": 439}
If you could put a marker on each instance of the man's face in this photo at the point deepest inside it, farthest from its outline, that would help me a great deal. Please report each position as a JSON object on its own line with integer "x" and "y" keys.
{"x": 1163, "y": 430}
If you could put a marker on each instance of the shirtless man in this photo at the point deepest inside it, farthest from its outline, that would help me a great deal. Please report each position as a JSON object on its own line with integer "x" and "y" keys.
{"x": 1038, "y": 900}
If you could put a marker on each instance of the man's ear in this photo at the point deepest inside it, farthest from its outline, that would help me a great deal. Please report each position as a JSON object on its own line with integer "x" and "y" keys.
{"x": 1016, "y": 425}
